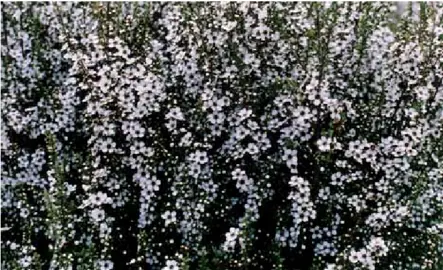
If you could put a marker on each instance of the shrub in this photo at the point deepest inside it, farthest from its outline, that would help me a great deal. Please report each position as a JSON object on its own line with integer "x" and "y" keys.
{"x": 221, "y": 136}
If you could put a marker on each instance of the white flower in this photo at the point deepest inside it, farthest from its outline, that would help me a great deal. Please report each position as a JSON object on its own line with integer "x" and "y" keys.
{"x": 252, "y": 149}
{"x": 231, "y": 239}
{"x": 289, "y": 154}
{"x": 201, "y": 157}
{"x": 244, "y": 184}
{"x": 106, "y": 265}
{"x": 25, "y": 262}
{"x": 292, "y": 164}
{"x": 296, "y": 181}
{"x": 175, "y": 113}
{"x": 232, "y": 234}
{"x": 353, "y": 257}
{"x": 99, "y": 198}
{"x": 98, "y": 214}
{"x": 244, "y": 113}
{"x": 238, "y": 174}
{"x": 13, "y": 246}
{"x": 171, "y": 265}
{"x": 24, "y": 212}
{"x": 324, "y": 144}
{"x": 241, "y": 132}
{"x": 378, "y": 246}
{"x": 169, "y": 217}
{"x": 194, "y": 170}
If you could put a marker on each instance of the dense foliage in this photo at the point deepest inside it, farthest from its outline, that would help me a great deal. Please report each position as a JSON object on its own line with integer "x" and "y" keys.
{"x": 221, "y": 136}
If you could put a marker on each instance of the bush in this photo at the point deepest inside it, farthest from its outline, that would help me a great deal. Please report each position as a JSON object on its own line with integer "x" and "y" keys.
{"x": 222, "y": 136}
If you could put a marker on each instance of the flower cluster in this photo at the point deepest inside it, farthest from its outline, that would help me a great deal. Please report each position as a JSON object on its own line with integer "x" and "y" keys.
{"x": 229, "y": 135}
